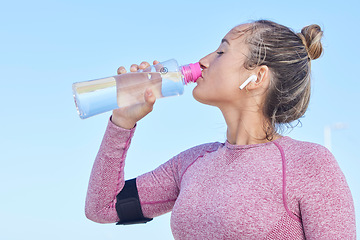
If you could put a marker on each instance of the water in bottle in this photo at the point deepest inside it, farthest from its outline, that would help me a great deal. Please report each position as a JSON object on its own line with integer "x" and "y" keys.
{"x": 164, "y": 79}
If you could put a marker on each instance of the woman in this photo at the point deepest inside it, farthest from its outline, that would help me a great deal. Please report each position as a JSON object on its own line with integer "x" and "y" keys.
{"x": 256, "y": 185}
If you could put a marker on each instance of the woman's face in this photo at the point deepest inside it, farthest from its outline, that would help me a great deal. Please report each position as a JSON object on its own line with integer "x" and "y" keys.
{"x": 223, "y": 71}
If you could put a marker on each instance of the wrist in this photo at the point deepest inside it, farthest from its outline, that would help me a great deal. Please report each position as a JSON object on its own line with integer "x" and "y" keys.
{"x": 122, "y": 122}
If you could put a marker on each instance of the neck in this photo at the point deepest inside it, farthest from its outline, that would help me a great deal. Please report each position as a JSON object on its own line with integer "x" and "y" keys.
{"x": 245, "y": 128}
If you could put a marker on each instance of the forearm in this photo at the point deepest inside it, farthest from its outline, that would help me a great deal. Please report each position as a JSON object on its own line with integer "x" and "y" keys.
{"x": 107, "y": 176}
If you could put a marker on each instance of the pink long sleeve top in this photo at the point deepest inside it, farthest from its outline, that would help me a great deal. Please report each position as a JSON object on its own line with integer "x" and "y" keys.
{"x": 284, "y": 189}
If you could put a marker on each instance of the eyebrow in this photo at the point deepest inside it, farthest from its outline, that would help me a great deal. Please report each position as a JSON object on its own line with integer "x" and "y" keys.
{"x": 225, "y": 40}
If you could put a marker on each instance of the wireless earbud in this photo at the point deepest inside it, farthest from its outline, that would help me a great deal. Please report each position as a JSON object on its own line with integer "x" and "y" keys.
{"x": 252, "y": 78}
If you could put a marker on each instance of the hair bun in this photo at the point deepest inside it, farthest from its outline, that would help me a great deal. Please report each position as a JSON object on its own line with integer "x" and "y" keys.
{"x": 311, "y": 36}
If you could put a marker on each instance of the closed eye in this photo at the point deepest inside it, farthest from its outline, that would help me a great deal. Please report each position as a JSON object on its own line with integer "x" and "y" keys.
{"x": 220, "y": 52}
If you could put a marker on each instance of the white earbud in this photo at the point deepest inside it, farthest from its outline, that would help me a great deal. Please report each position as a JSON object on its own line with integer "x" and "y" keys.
{"x": 252, "y": 78}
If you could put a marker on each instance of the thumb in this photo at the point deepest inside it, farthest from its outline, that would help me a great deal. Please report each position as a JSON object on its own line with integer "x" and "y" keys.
{"x": 149, "y": 98}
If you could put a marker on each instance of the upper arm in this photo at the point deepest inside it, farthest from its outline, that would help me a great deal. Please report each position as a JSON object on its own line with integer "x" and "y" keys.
{"x": 159, "y": 189}
{"x": 327, "y": 208}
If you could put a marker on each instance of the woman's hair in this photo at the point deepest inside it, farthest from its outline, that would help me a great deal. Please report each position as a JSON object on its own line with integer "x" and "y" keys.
{"x": 288, "y": 56}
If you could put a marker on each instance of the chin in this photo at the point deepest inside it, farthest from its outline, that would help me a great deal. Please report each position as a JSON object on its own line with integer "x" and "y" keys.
{"x": 200, "y": 97}
{"x": 197, "y": 95}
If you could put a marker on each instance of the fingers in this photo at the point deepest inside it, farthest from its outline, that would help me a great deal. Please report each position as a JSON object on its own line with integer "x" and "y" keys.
{"x": 135, "y": 67}
{"x": 144, "y": 65}
{"x": 121, "y": 70}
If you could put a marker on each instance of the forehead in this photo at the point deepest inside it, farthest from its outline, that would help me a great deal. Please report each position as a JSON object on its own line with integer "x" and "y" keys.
{"x": 238, "y": 32}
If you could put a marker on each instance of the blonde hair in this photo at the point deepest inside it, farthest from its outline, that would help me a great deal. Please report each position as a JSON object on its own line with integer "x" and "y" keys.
{"x": 288, "y": 56}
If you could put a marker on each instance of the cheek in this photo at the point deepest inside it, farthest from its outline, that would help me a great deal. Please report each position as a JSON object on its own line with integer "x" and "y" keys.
{"x": 205, "y": 91}
{"x": 220, "y": 83}
{"x": 217, "y": 91}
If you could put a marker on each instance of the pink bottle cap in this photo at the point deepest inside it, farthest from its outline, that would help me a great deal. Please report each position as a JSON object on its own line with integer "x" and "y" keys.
{"x": 191, "y": 72}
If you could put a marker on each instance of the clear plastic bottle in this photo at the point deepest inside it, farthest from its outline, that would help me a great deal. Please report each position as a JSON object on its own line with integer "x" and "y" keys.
{"x": 105, "y": 94}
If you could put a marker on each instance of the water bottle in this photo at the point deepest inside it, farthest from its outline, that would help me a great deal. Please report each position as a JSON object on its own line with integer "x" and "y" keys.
{"x": 101, "y": 95}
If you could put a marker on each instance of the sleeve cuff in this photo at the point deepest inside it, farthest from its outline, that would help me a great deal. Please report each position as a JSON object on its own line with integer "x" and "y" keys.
{"x": 113, "y": 125}
{"x": 117, "y": 138}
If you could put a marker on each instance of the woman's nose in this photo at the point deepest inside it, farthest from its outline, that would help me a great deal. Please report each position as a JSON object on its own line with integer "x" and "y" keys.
{"x": 204, "y": 63}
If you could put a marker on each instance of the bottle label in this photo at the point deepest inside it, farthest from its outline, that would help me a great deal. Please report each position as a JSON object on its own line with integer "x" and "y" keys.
{"x": 164, "y": 70}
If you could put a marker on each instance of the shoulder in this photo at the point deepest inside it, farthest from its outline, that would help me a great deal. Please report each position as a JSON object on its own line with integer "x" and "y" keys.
{"x": 201, "y": 149}
{"x": 307, "y": 151}
{"x": 189, "y": 156}
{"x": 310, "y": 159}
{"x": 293, "y": 144}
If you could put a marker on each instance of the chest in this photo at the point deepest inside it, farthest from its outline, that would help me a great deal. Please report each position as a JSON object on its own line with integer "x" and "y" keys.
{"x": 229, "y": 196}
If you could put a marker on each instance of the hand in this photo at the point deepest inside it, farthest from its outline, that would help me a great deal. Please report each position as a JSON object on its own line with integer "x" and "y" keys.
{"x": 127, "y": 117}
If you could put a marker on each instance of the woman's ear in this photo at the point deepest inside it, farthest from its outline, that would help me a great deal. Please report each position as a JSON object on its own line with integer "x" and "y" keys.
{"x": 263, "y": 78}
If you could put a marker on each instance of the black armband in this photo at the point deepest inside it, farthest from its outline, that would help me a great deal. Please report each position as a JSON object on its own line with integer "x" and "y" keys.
{"x": 128, "y": 205}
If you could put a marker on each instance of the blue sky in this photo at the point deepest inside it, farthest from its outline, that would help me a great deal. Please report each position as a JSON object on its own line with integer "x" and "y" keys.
{"x": 47, "y": 151}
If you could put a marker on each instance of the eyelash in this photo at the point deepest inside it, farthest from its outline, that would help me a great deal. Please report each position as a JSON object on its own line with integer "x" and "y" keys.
{"x": 220, "y": 52}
